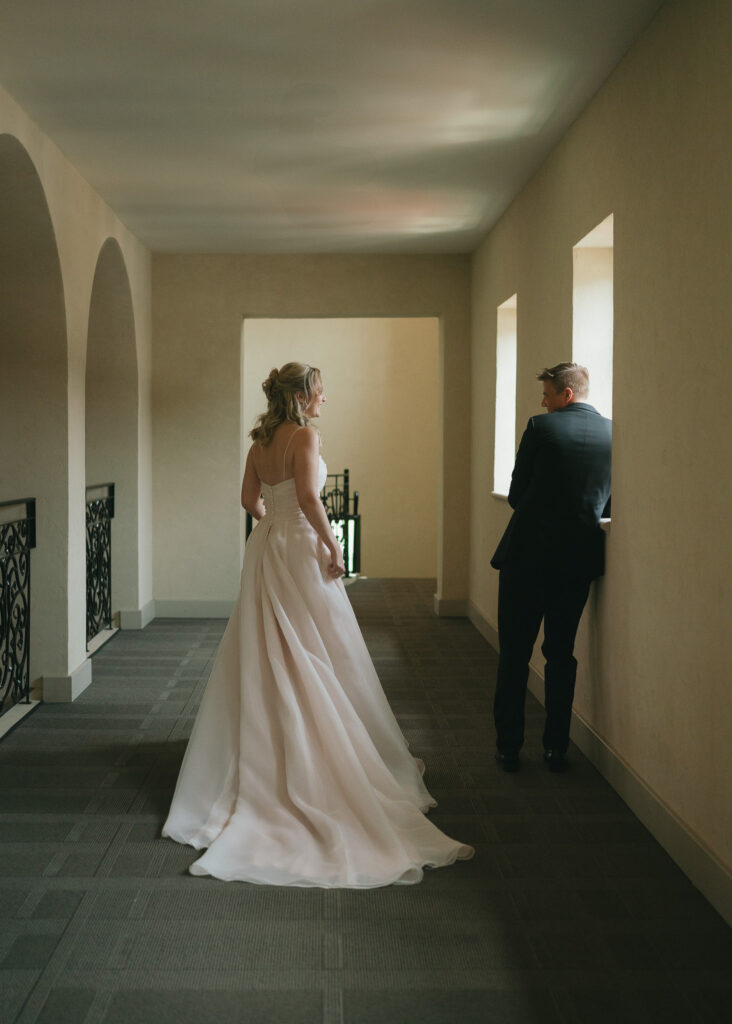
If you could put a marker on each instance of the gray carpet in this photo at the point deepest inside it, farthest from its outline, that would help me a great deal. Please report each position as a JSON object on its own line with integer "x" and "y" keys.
{"x": 569, "y": 913}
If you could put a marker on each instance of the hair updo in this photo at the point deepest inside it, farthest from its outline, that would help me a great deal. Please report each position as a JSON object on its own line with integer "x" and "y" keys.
{"x": 271, "y": 384}
{"x": 282, "y": 388}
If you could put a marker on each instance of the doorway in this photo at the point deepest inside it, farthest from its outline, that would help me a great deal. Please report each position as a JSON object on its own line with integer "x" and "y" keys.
{"x": 381, "y": 422}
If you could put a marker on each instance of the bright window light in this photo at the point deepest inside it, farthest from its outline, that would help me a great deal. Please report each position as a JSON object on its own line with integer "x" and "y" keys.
{"x": 592, "y": 312}
{"x": 505, "y": 450}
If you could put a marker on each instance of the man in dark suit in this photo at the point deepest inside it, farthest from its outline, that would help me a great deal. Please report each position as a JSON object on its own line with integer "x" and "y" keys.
{"x": 551, "y": 551}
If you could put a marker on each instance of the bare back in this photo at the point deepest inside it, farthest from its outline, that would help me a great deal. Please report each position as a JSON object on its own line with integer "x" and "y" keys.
{"x": 273, "y": 463}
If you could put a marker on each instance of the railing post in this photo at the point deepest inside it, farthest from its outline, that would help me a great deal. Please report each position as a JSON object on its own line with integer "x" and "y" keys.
{"x": 356, "y": 535}
{"x": 346, "y": 525}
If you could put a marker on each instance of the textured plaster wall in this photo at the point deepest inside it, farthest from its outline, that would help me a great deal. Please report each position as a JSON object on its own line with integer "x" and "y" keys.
{"x": 81, "y": 223}
{"x": 198, "y": 306}
{"x": 381, "y": 378}
{"x": 654, "y": 149}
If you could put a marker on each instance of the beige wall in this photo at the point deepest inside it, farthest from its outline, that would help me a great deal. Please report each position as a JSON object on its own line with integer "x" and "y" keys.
{"x": 111, "y": 414}
{"x": 381, "y": 378}
{"x": 654, "y": 149}
{"x": 74, "y": 222}
{"x": 199, "y": 303}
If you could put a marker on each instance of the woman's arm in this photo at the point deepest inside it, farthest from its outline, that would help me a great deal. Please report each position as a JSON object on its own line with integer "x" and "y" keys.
{"x": 305, "y": 464}
{"x": 251, "y": 489}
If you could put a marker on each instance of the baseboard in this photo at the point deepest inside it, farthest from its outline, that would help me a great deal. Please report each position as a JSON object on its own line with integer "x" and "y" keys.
{"x": 450, "y": 608}
{"x": 193, "y": 609}
{"x": 689, "y": 851}
{"x": 484, "y": 627}
{"x": 137, "y": 618}
{"x": 63, "y": 689}
{"x": 97, "y": 642}
{"x": 13, "y": 716}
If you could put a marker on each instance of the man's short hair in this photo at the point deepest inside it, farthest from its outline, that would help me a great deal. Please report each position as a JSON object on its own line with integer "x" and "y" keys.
{"x": 568, "y": 375}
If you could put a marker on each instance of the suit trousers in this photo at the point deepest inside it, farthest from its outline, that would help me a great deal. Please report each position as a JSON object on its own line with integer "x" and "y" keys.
{"x": 525, "y": 597}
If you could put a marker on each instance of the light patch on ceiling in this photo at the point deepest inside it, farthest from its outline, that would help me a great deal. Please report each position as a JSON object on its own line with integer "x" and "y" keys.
{"x": 310, "y": 125}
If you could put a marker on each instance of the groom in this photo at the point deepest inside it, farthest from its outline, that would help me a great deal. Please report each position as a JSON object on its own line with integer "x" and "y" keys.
{"x": 551, "y": 551}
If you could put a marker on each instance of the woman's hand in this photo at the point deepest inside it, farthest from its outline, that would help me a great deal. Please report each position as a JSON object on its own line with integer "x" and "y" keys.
{"x": 336, "y": 566}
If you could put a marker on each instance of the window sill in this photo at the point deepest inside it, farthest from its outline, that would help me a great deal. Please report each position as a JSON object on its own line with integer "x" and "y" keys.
{"x": 499, "y": 496}
{"x": 605, "y": 525}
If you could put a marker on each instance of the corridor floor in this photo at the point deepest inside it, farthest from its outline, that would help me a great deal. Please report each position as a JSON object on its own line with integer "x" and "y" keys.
{"x": 570, "y": 911}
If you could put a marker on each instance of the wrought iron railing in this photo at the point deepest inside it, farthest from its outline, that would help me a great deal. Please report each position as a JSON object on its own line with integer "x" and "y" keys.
{"x": 17, "y": 539}
{"x": 342, "y": 510}
{"x": 99, "y": 516}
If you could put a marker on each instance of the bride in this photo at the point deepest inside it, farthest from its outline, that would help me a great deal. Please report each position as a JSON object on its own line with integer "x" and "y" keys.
{"x": 296, "y": 772}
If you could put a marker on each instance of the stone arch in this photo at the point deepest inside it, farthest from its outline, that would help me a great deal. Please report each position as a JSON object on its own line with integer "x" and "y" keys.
{"x": 112, "y": 413}
{"x": 34, "y": 394}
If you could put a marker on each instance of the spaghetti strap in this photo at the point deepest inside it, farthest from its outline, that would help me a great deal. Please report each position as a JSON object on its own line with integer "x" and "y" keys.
{"x": 284, "y": 454}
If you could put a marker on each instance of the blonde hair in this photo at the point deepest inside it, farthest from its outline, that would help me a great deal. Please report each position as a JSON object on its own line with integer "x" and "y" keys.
{"x": 281, "y": 389}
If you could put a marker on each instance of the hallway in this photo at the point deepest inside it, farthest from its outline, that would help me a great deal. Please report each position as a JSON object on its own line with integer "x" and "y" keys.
{"x": 570, "y": 911}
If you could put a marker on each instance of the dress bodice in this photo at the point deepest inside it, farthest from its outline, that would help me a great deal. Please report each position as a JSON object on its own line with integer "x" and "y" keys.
{"x": 280, "y": 500}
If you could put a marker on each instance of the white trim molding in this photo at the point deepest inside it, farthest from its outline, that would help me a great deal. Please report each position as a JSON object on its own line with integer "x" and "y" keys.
{"x": 102, "y": 637}
{"x": 193, "y": 609}
{"x": 10, "y": 718}
{"x": 64, "y": 689}
{"x": 688, "y": 850}
{"x": 137, "y": 618}
{"x": 450, "y": 607}
{"x": 484, "y": 627}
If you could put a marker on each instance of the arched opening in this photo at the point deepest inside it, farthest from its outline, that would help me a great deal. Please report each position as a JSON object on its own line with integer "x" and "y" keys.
{"x": 34, "y": 395}
{"x": 112, "y": 414}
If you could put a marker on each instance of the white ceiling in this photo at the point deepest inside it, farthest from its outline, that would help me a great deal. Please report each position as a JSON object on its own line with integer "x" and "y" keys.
{"x": 310, "y": 125}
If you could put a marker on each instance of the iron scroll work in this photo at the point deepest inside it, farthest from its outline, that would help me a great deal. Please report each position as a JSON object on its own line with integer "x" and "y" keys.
{"x": 17, "y": 539}
{"x": 342, "y": 510}
{"x": 99, "y": 516}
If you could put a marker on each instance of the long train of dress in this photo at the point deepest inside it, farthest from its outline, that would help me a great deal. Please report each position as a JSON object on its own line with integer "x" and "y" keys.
{"x": 296, "y": 772}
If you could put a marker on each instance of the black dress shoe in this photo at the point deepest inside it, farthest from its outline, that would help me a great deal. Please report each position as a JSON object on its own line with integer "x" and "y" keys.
{"x": 556, "y": 760}
{"x": 509, "y": 762}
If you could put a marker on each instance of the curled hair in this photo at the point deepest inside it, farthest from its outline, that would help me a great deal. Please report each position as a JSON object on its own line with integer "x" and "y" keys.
{"x": 281, "y": 390}
{"x": 568, "y": 375}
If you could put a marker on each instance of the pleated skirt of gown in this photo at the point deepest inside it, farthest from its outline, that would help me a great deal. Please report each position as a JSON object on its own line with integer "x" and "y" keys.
{"x": 296, "y": 771}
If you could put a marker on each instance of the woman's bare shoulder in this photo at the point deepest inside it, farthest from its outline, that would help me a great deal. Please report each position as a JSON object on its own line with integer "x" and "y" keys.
{"x": 306, "y": 437}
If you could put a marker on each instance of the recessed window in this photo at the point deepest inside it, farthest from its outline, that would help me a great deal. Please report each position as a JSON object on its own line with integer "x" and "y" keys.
{"x": 505, "y": 449}
{"x": 592, "y": 312}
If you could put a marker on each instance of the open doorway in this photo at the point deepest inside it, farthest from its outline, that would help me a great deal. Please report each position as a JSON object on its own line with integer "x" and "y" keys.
{"x": 381, "y": 422}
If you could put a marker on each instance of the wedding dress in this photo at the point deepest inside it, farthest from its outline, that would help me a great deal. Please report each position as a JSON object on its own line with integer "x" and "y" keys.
{"x": 296, "y": 772}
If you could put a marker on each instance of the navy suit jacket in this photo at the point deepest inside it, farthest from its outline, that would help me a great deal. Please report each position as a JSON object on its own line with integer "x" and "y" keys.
{"x": 560, "y": 488}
